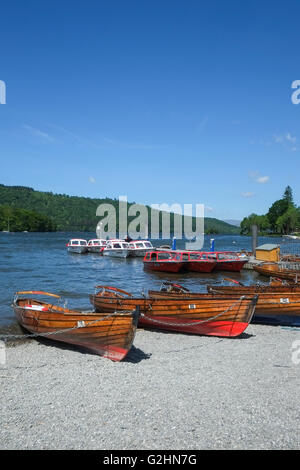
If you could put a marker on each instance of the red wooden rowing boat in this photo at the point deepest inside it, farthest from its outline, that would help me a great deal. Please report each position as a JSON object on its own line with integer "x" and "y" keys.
{"x": 207, "y": 315}
{"x": 108, "y": 334}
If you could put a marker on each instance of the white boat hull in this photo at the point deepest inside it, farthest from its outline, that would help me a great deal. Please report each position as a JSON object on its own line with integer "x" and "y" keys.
{"x": 95, "y": 249}
{"x": 116, "y": 253}
{"x": 77, "y": 249}
{"x": 139, "y": 253}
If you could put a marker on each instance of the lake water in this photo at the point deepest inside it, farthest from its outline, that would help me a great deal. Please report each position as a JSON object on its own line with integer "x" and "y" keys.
{"x": 40, "y": 261}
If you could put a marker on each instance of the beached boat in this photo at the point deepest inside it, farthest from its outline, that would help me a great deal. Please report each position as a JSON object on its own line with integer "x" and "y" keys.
{"x": 206, "y": 315}
{"x": 108, "y": 334}
{"x": 117, "y": 249}
{"x": 96, "y": 245}
{"x": 164, "y": 261}
{"x": 140, "y": 248}
{"x": 77, "y": 245}
{"x": 275, "y": 305}
{"x": 277, "y": 270}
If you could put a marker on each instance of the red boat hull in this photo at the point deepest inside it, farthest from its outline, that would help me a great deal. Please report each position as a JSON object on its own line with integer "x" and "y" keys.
{"x": 234, "y": 266}
{"x": 164, "y": 266}
{"x": 200, "y": 266}
{"x": 211, "y": 328}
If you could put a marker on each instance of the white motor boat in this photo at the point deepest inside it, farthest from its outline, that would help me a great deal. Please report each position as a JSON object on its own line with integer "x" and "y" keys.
{"x": 140, "y": 247}
{"x": 116, "y": 248}
{"x": 96, "y": 245}
{"x": 77, "y": 245}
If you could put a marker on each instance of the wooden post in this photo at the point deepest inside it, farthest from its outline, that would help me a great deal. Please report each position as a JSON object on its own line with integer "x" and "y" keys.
{"x": 254, "y": 239}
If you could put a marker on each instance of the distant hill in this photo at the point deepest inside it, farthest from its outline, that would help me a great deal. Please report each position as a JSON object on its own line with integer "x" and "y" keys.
{"x": 234, "y": 222}
{"x": 75, "y": 213}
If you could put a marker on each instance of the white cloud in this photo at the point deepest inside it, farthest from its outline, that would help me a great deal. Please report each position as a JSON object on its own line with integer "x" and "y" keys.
{"x": 92, "y": 179}
{"x": 38, "y": 133}
{"x": 290, "y": 138}
{"x": 286, "y": 139}
{"x": 262, "y": 179}
{"x": 258, "y": 178}
{"x": 208, "y": 208}
{"x": 247, "y": 194}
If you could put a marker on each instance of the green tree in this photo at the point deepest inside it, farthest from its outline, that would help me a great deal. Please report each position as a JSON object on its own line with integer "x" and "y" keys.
{"x": 288, "y": 195}
{"x": 289, "y": 221}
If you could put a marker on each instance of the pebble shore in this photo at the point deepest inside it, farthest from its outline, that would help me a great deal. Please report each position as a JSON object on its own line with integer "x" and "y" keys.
{"x": 173, "y": 391}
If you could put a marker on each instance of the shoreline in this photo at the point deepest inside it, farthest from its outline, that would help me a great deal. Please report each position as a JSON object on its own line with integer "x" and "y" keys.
{"x": 233, "y": 393}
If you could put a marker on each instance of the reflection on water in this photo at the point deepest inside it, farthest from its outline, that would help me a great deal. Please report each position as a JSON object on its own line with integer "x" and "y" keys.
{"x": 40, "y": 261}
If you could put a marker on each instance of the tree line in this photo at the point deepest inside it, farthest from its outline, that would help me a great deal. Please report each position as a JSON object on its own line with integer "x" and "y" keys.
{"x": 282, "y": 218}
{"x": 22, "y": 220}
{"x": 75, "y": 213}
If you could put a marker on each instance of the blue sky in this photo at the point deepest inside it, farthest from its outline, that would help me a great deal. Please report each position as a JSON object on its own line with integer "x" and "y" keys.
{"x": 162, "y": 101}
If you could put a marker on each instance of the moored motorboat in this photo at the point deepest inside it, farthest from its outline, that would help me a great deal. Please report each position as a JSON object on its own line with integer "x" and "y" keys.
{"x": 108, "y": 334}
{"x": 164, "y": 261}
{"x": 140, "y": 247}
{"x": 77, "y": 245}
{"x": 198, "y": 262}
{"x": 116, "y": 248}
{"x": 206, "y": 315}
{"x": 96, "y": 245}
{"x": 227, "y": 260}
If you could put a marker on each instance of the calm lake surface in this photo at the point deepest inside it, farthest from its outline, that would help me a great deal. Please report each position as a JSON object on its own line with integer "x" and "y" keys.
{"x": 40, "y": 261}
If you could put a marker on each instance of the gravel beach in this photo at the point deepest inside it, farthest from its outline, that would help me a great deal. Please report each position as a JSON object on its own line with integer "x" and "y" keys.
{"x": 173, "y": 391}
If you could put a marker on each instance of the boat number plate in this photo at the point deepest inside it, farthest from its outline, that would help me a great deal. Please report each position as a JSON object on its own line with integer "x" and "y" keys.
{"x": 191, "y": 306}
{"x": 284, "y": 301}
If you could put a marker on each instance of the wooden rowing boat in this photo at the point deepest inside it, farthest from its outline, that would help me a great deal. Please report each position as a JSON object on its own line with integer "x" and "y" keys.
{"x": 108, "y": 334}
{"x": 206, "y": 315}
{"x": 275, "y": 305}
{"x": 274, "y": 269}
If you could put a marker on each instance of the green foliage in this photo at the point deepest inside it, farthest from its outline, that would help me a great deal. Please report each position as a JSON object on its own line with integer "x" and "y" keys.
{"x": 20, "y": 220}
{"x": 79, "y": 213}
{"x": 261, "y": 221}
{"x": 283, "y": 217}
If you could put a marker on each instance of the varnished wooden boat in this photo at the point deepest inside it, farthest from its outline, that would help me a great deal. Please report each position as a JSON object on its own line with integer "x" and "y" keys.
{"x": 276, "y": 270}
{"x": 206, "y": 315}
{"x": 108, "y": 334}
{"x": 277, "y": 304}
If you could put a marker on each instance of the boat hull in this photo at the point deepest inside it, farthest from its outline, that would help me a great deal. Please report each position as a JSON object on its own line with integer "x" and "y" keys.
{"x": 107, "y": 335}
{"x": 234, "y": 266}
{"x": 206, "y": 316}
{"x": 95, "y": 249}
{"x": 78, "y": 249}
{"x": 277, "y": 271}
{"x": 200, "y": 266}
{"x": 164, "y": 266}
{"x": 275, "y": 305}
{"x": 116, "y": 253}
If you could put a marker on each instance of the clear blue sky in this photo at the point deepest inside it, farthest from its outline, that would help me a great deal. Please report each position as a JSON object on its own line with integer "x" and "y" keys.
{"x": 162, "y": 101}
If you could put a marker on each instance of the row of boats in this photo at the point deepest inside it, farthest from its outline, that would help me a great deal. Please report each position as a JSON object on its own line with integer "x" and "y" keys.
{"x": 118, "y": 248}
{"x": 109, "y": 329}
{"x": 162, "y": 259}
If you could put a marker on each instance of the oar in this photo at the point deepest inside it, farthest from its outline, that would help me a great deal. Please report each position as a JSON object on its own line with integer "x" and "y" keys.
{"x": 233, "y": 280}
